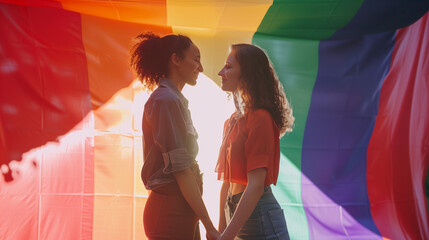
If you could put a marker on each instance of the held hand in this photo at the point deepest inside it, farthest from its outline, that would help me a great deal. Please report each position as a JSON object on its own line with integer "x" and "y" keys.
{"x": 222, "y": 237}
{"x": 212, "y": 234}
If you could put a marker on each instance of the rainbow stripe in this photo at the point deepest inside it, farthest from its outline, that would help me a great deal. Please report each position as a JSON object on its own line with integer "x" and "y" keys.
{"x": 356, "y": 73}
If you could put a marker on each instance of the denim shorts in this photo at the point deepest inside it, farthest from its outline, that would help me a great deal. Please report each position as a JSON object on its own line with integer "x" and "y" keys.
{"x": 266, "y": 222}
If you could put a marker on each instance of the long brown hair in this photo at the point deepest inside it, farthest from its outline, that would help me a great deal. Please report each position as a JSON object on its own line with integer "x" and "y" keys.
{"x": 260, "y": 86}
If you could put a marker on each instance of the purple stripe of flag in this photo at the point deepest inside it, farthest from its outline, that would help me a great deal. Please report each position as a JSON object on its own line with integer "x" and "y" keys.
{"x": 340, "y": 122}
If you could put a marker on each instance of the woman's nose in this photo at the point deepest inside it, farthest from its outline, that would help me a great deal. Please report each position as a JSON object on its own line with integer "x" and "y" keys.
{"x": 220, "y": 73}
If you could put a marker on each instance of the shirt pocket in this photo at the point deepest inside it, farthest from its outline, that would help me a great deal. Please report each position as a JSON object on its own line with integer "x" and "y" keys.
{"x": 191, "y": 139}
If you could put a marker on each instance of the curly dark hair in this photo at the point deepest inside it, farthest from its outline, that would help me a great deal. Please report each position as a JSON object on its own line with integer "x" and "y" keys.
{"x": 151, "y": 54}
{"x": 260, "y": 86}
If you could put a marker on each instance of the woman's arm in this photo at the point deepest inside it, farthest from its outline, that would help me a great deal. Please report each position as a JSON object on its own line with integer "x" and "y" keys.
{"x": 189, "y": 188}
{"x": 167, "y": 116}
{"x": 222, "y": 202}
{"x": 251, "y": 196}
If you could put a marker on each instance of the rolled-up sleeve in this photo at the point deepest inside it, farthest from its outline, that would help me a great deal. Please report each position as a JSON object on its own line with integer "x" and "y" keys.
{"x": 170, "y": 134}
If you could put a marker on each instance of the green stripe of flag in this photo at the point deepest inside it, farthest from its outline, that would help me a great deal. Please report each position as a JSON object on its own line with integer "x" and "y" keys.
{"x": 306, "y": 19}
{"x": 295, "y": 62}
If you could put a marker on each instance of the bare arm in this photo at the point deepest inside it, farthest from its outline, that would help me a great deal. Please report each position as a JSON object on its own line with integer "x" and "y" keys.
{"x": 222, "y": 202}
{"x": 251, "y": 196}
{"x": 189, "y": 188}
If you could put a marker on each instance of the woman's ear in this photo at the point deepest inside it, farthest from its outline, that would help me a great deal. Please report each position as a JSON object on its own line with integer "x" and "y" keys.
{"x": 175, "y": 59}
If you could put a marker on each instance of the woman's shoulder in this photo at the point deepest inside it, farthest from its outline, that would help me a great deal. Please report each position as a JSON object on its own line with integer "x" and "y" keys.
{"x": 260, "y": 115}
{"x": 263, "y": 120}
{"x": 164, "y": 95}
{"x": 162, "y": 98}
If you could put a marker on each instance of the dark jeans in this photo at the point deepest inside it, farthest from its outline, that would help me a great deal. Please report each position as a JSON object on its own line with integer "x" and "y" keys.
{"x": 266, "y": 222}
{"x": 168, "y": 216}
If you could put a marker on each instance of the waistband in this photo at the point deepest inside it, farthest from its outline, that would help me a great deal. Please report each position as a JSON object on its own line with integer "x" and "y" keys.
{"x": 171, "y": 188}
{"x": 266, "y": 198}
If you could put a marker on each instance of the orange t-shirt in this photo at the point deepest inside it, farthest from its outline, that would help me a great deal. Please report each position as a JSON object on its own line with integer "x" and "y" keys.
{"x": 249, "y": 143}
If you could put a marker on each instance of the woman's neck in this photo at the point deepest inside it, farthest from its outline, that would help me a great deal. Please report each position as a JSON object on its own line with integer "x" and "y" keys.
{"x": 176, "y": 81}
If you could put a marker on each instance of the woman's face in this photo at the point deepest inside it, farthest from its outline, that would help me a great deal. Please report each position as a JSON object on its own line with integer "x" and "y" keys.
{"x": 230, "y": 73}
{"x": 191, "y": 65}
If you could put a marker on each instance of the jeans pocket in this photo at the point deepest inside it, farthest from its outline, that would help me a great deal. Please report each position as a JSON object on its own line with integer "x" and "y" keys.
{"x": 252, "y": 229}
{"x": 278, "y": 222}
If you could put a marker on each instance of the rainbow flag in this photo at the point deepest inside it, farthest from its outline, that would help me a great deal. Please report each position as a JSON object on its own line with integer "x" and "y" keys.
{"x": 356, "y": 73}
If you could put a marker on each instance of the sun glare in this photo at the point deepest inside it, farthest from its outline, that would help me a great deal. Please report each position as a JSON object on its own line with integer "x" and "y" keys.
{"x": 209, "y": 109}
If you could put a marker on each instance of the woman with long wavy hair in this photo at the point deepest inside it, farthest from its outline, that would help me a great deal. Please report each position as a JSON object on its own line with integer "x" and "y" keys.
{"x": 249, "y": 156}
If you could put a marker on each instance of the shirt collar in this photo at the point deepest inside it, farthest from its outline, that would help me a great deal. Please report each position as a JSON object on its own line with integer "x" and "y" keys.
{"x": 165, "y": 82}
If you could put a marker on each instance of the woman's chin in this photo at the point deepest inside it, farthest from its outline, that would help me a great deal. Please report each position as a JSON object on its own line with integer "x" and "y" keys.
{"x": 193, "y": 83}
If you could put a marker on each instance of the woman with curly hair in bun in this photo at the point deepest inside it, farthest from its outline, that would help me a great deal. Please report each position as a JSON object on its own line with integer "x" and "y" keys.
{"x": 174, "y": 206}
{"x": 249, "y": 156}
